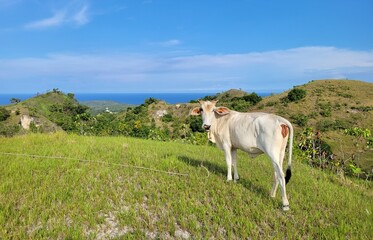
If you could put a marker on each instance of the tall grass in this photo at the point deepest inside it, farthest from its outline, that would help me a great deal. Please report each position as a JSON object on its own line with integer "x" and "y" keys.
{"x": 67, "y": 198}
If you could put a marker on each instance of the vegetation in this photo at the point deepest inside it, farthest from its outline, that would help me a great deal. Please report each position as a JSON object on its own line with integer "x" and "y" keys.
{"x": 296, "y": 94}
{"x": 328, "y": 108}
{"x": 321, "y": 111}
{"x": 4, "y": 114}
{"x": 98, "y": 106}
{"x": 104, "y": 196}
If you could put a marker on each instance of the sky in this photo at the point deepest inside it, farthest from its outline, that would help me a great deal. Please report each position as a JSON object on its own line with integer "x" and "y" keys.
{"x": 210, "y": 46}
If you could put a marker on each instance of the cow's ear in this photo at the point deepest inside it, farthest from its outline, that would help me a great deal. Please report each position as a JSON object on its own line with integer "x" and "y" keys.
{"x": 195, "y": 111}
{"x": 222, "y": 111}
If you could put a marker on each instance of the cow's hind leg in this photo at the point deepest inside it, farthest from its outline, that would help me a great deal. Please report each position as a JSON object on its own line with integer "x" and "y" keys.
{"x": 274, "y": 186}
{"x": 281, "y": 181}
{"x": 234, "y": 163}
{"x": 275, "y": 183}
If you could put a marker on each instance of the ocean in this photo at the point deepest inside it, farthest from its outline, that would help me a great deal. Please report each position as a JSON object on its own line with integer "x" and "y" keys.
{"x": 127, "y": 98}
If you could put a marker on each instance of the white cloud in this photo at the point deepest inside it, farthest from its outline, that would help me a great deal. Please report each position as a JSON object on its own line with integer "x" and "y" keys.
{"x": 56, "y": 20}
{"x": 74, "y": 15}
{"x": 81, "y": 17}
{"x": 270, "y": 70}
{"x": 168, "y": 43}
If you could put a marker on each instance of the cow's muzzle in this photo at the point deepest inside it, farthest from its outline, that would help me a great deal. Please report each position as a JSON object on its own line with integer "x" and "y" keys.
{"x": 206, "y": 127}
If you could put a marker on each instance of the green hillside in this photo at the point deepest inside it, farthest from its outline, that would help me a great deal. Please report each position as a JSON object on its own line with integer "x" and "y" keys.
{"x": 98, "y": 188}
{"x": 50, "y": 112}
{"x": 330, "y": 107}
{"x": 333, "y": 120}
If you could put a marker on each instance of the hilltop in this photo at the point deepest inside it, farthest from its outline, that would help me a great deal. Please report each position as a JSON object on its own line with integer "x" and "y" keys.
{"x": 49, "y": 112}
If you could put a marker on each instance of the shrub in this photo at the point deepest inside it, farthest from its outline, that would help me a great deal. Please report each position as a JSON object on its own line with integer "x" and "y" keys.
{"x": 296, "y": 94}
{"x": 15, "y": 100}
{"x": 326, "y": 109}
{"x": 195, "y": 123}
{"x": 9, "y": 131}
{"x": 4, "y": 114}
{"x": 300, "y": 119}
{"x": 167, "y": 118}
{"x": 325, "y": 125}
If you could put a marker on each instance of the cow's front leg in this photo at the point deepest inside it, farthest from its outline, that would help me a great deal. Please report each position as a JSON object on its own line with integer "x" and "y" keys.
{"x": 234, "y": 163}
{"x": 228, "y": 160}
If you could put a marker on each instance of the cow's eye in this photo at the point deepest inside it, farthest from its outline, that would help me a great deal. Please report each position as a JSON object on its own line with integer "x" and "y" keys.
{"x": 200, "y": 109}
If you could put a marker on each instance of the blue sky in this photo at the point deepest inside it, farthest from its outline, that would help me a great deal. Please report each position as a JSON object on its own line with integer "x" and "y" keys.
{"x": 182, "y": 45}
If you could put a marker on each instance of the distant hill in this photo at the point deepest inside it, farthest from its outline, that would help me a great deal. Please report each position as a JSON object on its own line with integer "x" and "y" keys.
{"x": 99, "y": 106}
{"x": 49, "y": 112}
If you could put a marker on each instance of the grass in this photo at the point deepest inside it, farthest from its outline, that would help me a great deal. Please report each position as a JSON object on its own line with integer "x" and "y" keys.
{"x": 328, "y": 101}
{"x": 43, "y": 198}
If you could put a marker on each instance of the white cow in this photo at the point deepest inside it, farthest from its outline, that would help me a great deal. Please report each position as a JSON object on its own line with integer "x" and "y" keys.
{"x": 254, "y": 133}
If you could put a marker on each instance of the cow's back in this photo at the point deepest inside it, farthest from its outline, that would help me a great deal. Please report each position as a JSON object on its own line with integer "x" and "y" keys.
{"x": 252, "y": 131}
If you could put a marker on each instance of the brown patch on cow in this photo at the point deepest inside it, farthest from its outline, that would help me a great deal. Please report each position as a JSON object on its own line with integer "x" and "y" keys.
{"x": 284, "y": 130}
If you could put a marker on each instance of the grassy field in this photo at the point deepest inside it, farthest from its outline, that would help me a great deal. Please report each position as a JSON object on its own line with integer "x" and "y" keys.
{"x": 103, "y": 196}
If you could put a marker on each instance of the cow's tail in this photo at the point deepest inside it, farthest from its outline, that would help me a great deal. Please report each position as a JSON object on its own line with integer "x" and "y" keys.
{"x": 288, "y": 170}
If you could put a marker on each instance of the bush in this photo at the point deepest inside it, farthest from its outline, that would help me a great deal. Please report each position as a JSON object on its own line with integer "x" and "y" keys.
{"x": 296, "y": 94}
{"x": 326, "y": 109}
{"x": 167, "y": 118}
{"x": 195, "y": 123}
{"x": 300, "y": 119}
{"x": 4, "y": 114}
{"x": 325, "y": 125}
{"x": 9, "y": 131}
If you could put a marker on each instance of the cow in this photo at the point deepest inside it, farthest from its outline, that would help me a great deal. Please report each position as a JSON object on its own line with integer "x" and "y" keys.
{"x": 255, "y": 133}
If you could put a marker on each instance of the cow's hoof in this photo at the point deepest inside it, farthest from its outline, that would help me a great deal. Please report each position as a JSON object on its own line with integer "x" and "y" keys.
{"x": 285, "y": 208}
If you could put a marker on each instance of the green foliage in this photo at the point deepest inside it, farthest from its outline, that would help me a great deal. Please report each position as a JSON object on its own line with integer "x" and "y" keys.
{"x": 167, "y": 118}
{"x": 296, "y": 94}
{"x": 300, "y": 119}
{"x": 331, "y": 125}
{"x": 243, "y": 103}
{"x": 9, "y": 130}
{"x": 149, "y": 101}
{"x": 71, "y": 95}
{"x": 195, "y": 123}
{"x": 363, "y": 108}
{"x": 205, "y": 98}
{"x": 34, "y": 128}
{"x": 239, "y": 105}
{"x": 314, "y": 150}
{"x": 325, "y": 109}
{"x": 252, "y": 98}
{"x": 319, "y": 154}
{"x": 15, "y": 100}
{"x": 362, "y": 135}
{"x": 358, "y": 132}
{"x": 4, "y": 114}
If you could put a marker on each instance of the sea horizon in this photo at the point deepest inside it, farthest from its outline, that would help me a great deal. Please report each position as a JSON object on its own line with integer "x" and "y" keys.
{"x": 124, "y": 98}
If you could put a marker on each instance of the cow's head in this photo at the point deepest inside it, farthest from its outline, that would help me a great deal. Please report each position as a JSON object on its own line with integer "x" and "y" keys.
{"x": 209, "y": 112}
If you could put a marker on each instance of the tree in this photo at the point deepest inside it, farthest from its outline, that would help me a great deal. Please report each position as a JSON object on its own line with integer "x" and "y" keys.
{"x": 296, "y": 94}
{"x": 15, "y": 100}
